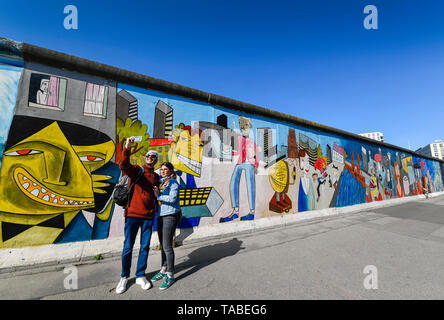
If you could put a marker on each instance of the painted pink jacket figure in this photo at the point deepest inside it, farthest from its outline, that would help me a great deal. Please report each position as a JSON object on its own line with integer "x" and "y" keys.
{"x": 248, "y": 161}
{"x": 247, "y": 150}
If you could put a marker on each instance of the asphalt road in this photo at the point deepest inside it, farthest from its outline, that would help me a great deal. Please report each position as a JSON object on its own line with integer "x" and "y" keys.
{"x": 389, "y": 253}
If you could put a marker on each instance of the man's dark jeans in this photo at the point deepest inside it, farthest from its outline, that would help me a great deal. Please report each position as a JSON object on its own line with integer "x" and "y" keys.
{"x": 132, "y": 226}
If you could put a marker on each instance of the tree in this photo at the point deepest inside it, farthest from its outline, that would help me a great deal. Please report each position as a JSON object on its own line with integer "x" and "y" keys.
{"x": 320, "y": 152}
{"x": 128, "y": 129}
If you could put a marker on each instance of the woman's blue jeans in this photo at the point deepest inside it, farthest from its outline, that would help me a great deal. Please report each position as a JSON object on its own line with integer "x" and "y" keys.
{"x": 132, "y": 226}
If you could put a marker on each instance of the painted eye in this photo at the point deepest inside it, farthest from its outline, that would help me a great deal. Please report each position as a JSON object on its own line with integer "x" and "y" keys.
{"x": 90, "y": 159}
{"x": 23, "y": 152}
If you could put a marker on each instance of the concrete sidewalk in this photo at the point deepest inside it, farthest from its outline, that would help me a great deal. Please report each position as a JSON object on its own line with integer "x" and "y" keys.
{"x": 18, "y": 259}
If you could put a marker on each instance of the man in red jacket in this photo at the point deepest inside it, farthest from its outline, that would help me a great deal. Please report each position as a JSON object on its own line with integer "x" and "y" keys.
{"x": 138, "y": 215}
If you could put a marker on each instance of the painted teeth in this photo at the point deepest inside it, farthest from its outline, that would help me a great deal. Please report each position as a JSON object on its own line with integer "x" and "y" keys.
{"x": 192, "y": 164}
{"x": 48, "y": 196}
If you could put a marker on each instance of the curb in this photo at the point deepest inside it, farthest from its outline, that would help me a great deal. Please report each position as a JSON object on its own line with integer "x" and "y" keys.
{"x": 19, "y": 259}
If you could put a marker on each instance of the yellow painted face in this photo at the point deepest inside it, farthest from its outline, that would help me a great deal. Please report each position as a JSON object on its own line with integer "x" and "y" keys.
{"x": 186, "y": 153}
{"x": 374, "y": 186}
{"x": 44, "y": 174}
{"x": 95, "y": 156}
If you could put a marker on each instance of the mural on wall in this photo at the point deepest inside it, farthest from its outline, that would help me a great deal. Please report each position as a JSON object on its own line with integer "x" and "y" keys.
{"x": 47, "y": 91}
{"x": 180, "y": 143}
{"x": 57, "y": 176}
{"x": 52, "y": 171}
{"x": 279, "y": 176}
{"x": 128, "y": 129}
{"x": 63, "y": 137}
{"x": 248, "y": 162}
{"x": 297, "y": 169}
{"x": 9, "y": 82}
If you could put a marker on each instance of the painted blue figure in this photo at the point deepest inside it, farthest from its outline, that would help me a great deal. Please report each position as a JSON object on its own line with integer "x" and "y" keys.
{"x": 350, "y": 191}
{"x": 248, "y": 161}
{"x": 306, "y": 193}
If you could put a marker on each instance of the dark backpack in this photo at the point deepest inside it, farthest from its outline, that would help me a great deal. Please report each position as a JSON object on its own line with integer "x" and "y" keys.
{"x": 122, "y": 193}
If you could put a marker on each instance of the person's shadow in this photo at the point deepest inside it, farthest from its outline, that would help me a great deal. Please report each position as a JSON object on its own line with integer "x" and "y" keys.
{"x": 204, "y": 256}
{"x": 199, "y": 259}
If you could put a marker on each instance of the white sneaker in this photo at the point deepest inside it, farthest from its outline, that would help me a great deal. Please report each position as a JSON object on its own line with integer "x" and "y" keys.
{"x": 144, "y": 283}
{"x": 121, "y": 287}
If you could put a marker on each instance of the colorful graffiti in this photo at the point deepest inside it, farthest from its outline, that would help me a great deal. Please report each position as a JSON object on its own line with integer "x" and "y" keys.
{"x": 61, "y": 139}
{"x": 52, "y": 171}
{"x": 56, "y": 173}
{"x": 9, "y": 82}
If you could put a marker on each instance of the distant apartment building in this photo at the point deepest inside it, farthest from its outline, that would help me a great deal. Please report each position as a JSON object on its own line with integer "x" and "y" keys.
{"x": 435, "y": 149}
{"x": 378, "y": 136}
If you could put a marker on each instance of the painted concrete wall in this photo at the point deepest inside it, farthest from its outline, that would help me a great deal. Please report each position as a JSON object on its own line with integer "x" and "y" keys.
{"x": 62, "y": 133}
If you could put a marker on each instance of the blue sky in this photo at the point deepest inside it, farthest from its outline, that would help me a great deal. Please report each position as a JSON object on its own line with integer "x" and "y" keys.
{"x": 311, "y": 59}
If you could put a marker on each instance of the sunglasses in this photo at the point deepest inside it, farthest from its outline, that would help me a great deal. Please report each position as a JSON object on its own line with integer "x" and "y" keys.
{"x": 152, "y": 156}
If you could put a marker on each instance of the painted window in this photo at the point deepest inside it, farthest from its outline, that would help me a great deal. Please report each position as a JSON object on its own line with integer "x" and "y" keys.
{"x": 48, "y": 92}
{"x": 96, "y": 100}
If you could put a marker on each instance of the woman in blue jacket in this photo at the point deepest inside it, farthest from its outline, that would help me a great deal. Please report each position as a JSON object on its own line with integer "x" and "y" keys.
{"x": 168, "y": 218}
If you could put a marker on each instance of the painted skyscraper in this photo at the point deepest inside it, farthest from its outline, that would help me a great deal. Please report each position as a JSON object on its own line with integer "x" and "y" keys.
{"x": 265, "y": 141}
{"x": 127, "y": 106}
{"x": 163, "y": 120}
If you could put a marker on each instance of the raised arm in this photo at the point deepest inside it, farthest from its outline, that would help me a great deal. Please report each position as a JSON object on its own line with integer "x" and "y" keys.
{"x": 125, "y": 165}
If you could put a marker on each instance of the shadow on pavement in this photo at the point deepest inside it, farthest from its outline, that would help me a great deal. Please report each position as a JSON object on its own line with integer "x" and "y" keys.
{"x": 205, "y": 256}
